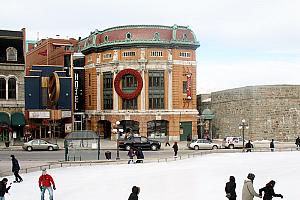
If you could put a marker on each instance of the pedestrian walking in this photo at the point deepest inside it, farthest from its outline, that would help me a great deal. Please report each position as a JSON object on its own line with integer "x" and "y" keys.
{"x": 45, "y": 182}
{"x": 249, "y": 146}
{"x": 230, "y": 188}
{"x": 134, "y": 194}
{"x": 131, "y": 155}
{"x": 175, "y": 147}
{"x": 297, "y": 143}
{"x": 16, "y": 169}
{"x": 3, "y": 188}
{"x": 248, "y": 192}
{"x": 139, "y": 155}
{"x": 269, "y": 191}
{"x": 272, "y": 147}
{"x": 167, "y": 143}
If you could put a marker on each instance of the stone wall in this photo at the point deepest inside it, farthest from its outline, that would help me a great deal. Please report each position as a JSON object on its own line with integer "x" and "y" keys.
{"x": 270, "y": 111}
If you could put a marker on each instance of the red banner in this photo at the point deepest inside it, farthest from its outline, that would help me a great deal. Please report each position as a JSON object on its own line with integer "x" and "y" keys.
{"x": 189, "y": 87}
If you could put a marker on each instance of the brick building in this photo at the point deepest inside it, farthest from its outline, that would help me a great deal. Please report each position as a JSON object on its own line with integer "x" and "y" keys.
{"x": 272, "y": 112}
{"x": 50, "y": 51}
{"x": 12, "y": 67}
{"x": 143, "y": 76}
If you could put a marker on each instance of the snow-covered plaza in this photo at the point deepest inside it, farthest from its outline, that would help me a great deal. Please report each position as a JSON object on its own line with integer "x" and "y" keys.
{"x": 202, "y": 177}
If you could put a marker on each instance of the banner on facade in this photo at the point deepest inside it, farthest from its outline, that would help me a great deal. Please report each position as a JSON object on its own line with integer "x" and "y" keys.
{"x": 78, "y": 87}
{"x": 68, "y": 128}
{"x": 189, "y": 87}
{"x": 39, "y": 114}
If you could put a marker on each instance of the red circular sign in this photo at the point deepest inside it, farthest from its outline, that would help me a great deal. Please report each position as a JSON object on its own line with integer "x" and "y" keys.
{"x": 118, "y": 79}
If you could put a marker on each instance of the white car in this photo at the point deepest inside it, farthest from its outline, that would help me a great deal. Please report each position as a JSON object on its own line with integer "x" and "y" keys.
{"x": 233, "y": 142}
{"x": 203, "y": 144}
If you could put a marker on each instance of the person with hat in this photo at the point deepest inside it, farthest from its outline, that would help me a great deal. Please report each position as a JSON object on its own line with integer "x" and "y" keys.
{"x": 3, "y": 188}
{"x": 45, "y": 182}
{"x": 134, "y": 194}
{"x": 230, "y": 188}
{"x": 269, "y": 191}
{"x": 248, "y": 192}
{"x": 16, "y": 169}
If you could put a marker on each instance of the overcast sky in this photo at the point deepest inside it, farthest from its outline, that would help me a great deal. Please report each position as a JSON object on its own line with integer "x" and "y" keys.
{"x": 243, "y": 42}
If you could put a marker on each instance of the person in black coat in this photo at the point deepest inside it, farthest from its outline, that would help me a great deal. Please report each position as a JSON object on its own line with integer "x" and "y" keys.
{"x": 272, "y": 145}
{"x": 269, "y": 191}
{"x": 134, "y": 194}
{"x": 175, "y": 147}
{"x": 297, "y": 143}
{"x": 249, "y": 146}
{"x": 139, "y": 155}
{"x": 230, "y": 188}
{"x": 3, "y": 188}
{"x": 16, "y": 169}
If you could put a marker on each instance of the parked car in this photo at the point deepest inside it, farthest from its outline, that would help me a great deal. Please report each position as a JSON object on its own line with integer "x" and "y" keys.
{"x": 139, "y": 141}
{"x": 233, "y": 142}
{"x": 38, "y": 144}
{"x": 203, "y": 144}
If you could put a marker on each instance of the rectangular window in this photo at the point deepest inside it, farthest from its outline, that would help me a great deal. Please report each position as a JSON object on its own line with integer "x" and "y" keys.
{"x": 108, "y": 90}
{"x": 185, "y": 54}
{"x": 2, "y": 88}
{"x": 128, "y": 54}
{"x": 90, "y": 100}
{"x": 156, "y": 90}
{"x": 184, "y": 85}
{"x": 107, "y": 56}
{"x": 129, "y": 104}
{"x": 89, "y": 80}
{"x": 156, "y": 54}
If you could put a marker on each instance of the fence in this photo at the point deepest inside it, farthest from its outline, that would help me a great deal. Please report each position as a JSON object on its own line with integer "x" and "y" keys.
{"x": 71, "y": 163}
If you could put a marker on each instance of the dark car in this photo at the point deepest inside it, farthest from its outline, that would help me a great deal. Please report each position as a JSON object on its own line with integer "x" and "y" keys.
{"x": 140, "y": 141}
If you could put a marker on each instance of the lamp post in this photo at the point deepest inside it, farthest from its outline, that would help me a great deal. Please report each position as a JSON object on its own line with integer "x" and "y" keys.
{"x": 118, "y": 150}
{"x": 242, "y": 126}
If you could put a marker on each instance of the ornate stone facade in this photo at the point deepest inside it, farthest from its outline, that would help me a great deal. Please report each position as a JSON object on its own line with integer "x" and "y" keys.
{"x": 161, "y": 54}
{"x": 271, "y": 111}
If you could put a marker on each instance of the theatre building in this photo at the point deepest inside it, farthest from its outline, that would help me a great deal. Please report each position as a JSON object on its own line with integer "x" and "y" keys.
{"x": 141, "y": 79}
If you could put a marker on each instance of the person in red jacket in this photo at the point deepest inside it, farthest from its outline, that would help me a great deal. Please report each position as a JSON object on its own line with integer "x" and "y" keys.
{"x": 45, "y": 182}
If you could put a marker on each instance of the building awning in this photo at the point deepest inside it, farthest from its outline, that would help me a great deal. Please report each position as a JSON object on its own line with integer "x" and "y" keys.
{"x": 4, "y": 119}
{"x": 17, "y": 119}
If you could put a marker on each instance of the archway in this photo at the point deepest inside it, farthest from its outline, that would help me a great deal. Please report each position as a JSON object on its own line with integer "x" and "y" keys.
{"x": 104, "y": 127}
{"x": 157, "y": 128}
{"x": 130, "y": 127}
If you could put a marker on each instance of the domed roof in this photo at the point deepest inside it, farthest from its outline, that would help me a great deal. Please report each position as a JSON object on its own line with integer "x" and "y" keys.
{"x": 207, "y": 114}
{"x": 139, "y": 35}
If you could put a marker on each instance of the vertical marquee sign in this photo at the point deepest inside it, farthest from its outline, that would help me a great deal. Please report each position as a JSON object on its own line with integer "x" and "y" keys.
{"x": 78, "y": 88}
{"x": 189, "y": 86}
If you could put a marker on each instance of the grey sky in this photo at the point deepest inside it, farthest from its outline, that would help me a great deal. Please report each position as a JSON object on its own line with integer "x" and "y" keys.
{"x": 243, "y": 42}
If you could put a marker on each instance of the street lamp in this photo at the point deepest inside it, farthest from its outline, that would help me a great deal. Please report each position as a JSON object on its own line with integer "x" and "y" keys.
{"x": 242, "y": 126}
{"x": 118, "y": 150}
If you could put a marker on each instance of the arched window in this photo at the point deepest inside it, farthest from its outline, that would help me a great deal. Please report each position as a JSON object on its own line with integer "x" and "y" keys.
{"x": 12, "y": 83}
{"x": 2, "y": 88}
{"x": 11, "y": 54}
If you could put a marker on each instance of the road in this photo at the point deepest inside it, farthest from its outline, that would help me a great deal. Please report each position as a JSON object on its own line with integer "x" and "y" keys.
{"x": 38, "y": 158}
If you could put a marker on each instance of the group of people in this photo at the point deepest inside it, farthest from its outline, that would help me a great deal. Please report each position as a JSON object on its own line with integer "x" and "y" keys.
{"x": 248, "y": 192}
{"x": 135, "y": 152}
{"x": 46, "y": 181}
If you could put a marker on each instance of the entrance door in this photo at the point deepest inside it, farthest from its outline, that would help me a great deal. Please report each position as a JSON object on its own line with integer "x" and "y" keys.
{"x": 104, "y": 127}
{"x": 186, "y": 130}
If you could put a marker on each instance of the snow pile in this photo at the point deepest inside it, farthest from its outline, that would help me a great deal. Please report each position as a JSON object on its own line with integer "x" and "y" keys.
{"x": 196, "y": 178}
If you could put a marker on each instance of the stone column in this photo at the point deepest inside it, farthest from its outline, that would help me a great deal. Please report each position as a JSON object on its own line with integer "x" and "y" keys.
{"x": 116, "y": 96}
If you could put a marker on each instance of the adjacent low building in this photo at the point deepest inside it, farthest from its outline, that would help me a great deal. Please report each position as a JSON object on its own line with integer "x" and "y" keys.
{"x": 12, "y": 67}
{"x": 271, "y": 111}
